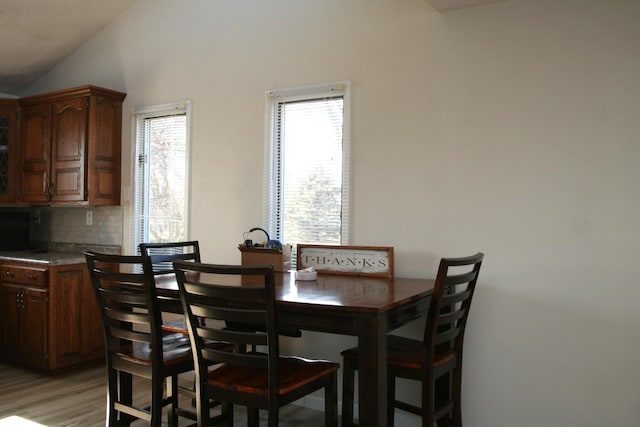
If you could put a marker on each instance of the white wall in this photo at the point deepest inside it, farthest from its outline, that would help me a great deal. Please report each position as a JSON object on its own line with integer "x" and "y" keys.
{"x": 511, "y": 128}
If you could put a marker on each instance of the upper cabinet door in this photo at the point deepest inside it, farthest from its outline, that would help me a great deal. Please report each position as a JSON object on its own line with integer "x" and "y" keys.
{"x": 105, "y": 129}
{"x": 36, "y": 149}
{"x": 68, "y": 145}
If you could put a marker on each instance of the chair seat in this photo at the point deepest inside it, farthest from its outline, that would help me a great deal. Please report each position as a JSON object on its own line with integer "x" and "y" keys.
{"x": 176, "y": 349}
{"x": 408, "y": 353}
{"x": 294, "y": 373}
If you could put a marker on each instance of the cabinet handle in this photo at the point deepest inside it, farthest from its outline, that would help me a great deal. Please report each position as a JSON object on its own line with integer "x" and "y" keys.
{"x": 8, "y": 273}
{"x": 32, "y": 277}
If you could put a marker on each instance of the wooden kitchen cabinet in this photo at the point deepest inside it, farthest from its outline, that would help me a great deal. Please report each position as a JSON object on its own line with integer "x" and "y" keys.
{"x": 8, "y": 149}
{"x": 24, "y": 299}
{"x": 49, "y": 318}
{"x": 71, "y": 147}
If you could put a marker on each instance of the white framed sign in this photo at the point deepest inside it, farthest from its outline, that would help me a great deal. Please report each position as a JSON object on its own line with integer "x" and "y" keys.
{"x": 339, "y": 259}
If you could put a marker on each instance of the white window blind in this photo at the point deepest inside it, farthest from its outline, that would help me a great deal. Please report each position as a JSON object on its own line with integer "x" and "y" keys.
{"x": 161, "y": 174}
{"x": 308, "y": 165}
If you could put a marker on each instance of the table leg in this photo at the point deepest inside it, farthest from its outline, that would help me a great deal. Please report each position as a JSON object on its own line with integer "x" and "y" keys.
{"x": 372, "y": 372}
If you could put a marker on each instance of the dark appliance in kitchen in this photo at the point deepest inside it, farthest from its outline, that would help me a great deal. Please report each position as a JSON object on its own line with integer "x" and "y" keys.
{"x": 14, "y": 229}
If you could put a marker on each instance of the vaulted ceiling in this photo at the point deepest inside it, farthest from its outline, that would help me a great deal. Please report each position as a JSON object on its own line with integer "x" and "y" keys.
{"x": 37, "y": 34}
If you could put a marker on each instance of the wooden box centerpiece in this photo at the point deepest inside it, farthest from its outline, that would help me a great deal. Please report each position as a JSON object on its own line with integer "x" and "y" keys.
{"x": 280, "y": 259}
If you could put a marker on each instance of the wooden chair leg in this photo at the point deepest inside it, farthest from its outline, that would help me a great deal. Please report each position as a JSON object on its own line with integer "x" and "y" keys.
{"x": 112, "y": 398}
{"x": 273, "y": 418}
{"x": 172, "y": 395}
{"x": 428, "y": 403}
{"x": 253, "y": 417}
{"x": 456, "y": 387}
{"x": 202, "y": 405}
{"x": 227, "y": 413}
{"x": 348, "y": 372}
{"x": 157, "y": 392}
{"x": 443, "y": 397}
{"x": 124, "y": 395}
{"x": 391, "y": 399}
{"x": 331, "y": 402}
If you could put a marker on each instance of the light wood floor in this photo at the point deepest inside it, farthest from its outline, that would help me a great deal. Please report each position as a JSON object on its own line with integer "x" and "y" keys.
{"x": 78, "y": 398}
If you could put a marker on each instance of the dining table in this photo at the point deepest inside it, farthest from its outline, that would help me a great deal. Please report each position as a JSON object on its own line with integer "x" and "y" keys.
{"x": 366, "y": 307}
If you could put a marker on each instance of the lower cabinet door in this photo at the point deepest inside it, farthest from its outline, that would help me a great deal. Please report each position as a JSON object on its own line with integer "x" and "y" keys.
{"x": 34, "y": 348}
{"x": 67, "y": 327}
{"x": 24, "y": 324}
{"x": 9, "y": 307}
{"x": 76, "y": 330}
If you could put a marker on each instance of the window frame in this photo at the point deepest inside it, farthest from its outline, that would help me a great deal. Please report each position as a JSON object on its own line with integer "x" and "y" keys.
{"x": 271, "y": 156}
{"x": 139, "y": 114}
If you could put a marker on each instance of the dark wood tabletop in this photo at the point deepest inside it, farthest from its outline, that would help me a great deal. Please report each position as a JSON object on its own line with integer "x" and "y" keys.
{"x": 361, "y": 306}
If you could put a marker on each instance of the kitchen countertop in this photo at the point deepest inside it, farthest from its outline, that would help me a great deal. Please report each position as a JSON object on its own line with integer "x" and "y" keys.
{"x": 44, "y": 257}
{"x": 57, "y": 253}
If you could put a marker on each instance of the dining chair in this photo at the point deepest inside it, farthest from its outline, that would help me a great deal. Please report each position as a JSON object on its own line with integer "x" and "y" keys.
{"x": 260, "y": 378}
{"x": 436, "y": 360}
{"x": 163, "y": 254}
{"x": 134, "y": 341}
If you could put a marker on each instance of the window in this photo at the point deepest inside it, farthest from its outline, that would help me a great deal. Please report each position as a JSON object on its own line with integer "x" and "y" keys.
{"x": 161, "y": 173}
{"x": 307, "y": 194}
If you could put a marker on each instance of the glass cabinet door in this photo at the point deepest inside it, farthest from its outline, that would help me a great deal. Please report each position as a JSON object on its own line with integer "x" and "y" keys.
{"x": 8, "y": 118}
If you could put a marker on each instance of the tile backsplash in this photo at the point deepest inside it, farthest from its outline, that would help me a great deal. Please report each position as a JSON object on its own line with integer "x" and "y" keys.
{"x": 70, "y": 225}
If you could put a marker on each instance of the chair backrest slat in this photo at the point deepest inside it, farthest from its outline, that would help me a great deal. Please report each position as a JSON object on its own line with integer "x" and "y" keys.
{"x": 446, "y": 336}
{"x": 127, "y": 316}
{"x": 134, "y": 336}
{"x": 233, "y": 336}
{"x": 450, "y": 317}
{"x": 456, "y": 279}
{"x": 250, "y": 360}
{"x": 123, "y": 295}
{"x": 121, "y": 278}
{"x": 455, "y": 297}
{"x": 232, "y": 314}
